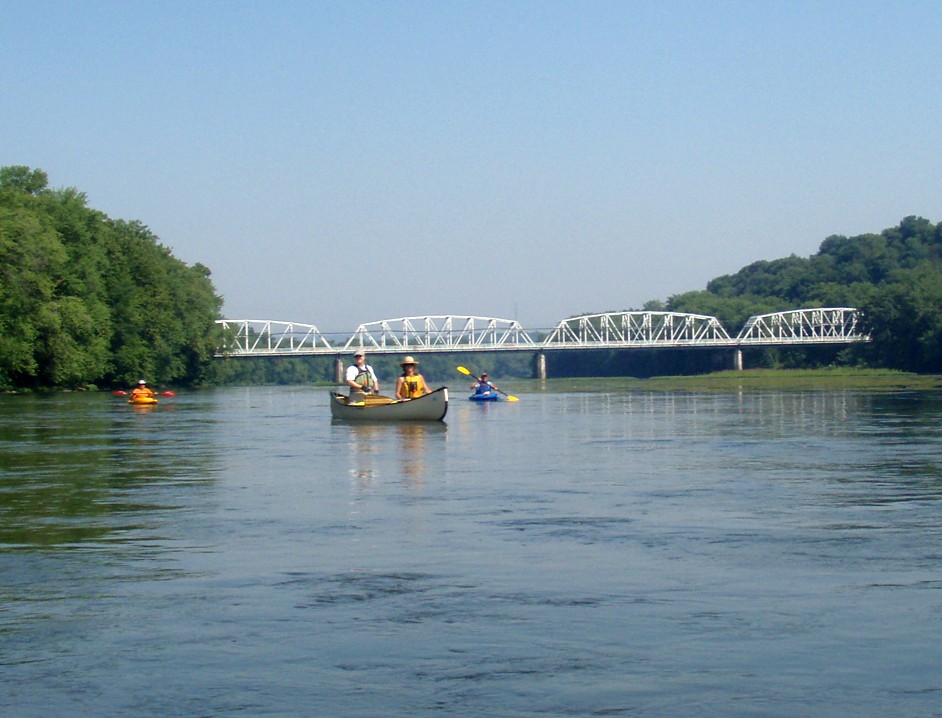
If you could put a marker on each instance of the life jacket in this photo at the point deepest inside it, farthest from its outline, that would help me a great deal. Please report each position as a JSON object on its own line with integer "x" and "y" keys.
{"x": 412, "y": 386}
{"x": 365, "y": 376}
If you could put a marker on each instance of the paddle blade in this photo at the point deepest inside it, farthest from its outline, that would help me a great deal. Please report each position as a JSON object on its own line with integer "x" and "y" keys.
{"x": 167, "y": 393}
{"x": 119, "y": 392}
{"x": 464, "y": 370}
{"x": 512, "y": 398}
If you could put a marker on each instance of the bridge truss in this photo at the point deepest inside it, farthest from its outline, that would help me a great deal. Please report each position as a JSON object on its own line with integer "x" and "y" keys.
{"x": 632, "y": 329}
{"x": 828, "y": 325}
{"x": 440, "y": 333}
{"x": 264, "y": 337}
{"x": 614, "y": 330}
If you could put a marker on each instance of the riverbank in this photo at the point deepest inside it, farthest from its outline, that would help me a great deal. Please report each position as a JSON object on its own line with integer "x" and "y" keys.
{"x": 773, "y": 379}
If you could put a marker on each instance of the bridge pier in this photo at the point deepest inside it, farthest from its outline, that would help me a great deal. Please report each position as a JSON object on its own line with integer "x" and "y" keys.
{"x": 737, "y": 359}
{"x": 338, "y": 370}
{"x": 541, "y": 365}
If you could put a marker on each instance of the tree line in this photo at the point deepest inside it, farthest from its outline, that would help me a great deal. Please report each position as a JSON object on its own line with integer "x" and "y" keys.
{"x": 89, "y": 300}
{"x": 438, "y": 369}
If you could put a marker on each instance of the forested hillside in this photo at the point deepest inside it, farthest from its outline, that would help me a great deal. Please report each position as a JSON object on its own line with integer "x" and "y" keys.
{"x": 89, "y": 300}
{"x": 894, "y": 277}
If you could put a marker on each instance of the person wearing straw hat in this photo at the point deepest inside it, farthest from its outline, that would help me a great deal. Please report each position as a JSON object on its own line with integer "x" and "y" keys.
{"x": 411, "y": 384}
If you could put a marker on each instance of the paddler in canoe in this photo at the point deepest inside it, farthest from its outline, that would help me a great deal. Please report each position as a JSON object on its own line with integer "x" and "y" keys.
{"x": 361, "y": 379}
{"x": 411, "y": 384}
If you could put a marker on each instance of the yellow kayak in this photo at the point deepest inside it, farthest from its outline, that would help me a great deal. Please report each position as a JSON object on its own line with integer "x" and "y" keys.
{"x": 142, "y": 400}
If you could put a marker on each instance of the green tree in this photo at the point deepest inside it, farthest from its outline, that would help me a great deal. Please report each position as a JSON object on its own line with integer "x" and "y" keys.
{"x": 30, "y": 257}
{"x": 87, "y": 299}
{"x": 732, "y": 311}
{"x": 23, "y": 179}
{"x": 904, "y": 320}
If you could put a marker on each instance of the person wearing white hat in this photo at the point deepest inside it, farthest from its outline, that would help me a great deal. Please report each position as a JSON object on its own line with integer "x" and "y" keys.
{"x": 411, "y": 384}
{"x": 361, "y": 378}
{"x": 142, "y": 391}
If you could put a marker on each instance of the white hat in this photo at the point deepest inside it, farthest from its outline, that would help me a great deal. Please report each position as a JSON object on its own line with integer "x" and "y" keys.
{"x": 142, "y": 382}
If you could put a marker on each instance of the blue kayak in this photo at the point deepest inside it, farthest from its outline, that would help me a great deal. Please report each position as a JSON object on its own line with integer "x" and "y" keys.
{"x": 485, "y": 396}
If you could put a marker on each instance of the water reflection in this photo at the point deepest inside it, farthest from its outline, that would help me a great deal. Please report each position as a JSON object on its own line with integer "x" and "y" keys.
{"x": 79, "y": 469}
{"x": 363, "y": 448}
{"x": 143, "y": 408}
{"x": 413, "y": 448}
{"x": 379, "y": 450}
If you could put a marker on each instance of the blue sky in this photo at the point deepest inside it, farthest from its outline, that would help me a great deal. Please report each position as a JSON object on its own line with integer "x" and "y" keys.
{"x": 339, "y": 163}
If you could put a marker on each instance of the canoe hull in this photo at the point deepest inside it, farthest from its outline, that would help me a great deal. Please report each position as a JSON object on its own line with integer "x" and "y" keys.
{"x": 431, "y": 407}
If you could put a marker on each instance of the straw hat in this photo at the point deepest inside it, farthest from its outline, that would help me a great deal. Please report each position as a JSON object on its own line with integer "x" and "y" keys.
{"x": 408, "y": 360}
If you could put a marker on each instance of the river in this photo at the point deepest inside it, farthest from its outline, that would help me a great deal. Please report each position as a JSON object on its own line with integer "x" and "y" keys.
{"x": 623, "y": 553}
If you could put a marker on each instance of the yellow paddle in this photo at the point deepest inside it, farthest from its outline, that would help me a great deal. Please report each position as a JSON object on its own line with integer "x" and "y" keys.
{"x": 468, "y": 372}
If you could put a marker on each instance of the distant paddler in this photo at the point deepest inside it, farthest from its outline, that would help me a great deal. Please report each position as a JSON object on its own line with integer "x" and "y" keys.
{"x": 482, "y": 385}
{"x": 142, "y": 394}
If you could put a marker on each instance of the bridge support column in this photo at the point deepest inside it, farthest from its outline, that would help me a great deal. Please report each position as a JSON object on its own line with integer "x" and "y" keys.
{"x": 541, "y": 366}
{"x": 737, "y": 359}
{"x": 338, "y": 370}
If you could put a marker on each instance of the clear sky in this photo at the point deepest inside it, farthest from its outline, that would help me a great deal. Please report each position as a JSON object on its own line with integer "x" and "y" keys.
{"x": 344, "y": 162}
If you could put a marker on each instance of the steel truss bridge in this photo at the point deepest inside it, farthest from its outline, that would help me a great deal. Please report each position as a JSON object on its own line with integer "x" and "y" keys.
{"x": 614, "y": 330}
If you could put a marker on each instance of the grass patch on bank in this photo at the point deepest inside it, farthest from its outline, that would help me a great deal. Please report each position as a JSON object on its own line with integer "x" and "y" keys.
{"x": 798, "y": 379}
{"x": 829, "y": 379}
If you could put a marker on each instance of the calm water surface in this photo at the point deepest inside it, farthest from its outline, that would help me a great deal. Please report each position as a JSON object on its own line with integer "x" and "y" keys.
{"x": 235, "y": 553}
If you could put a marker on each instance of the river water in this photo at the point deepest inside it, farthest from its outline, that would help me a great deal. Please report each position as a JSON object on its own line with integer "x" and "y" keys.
{"x": 236, "y": 553}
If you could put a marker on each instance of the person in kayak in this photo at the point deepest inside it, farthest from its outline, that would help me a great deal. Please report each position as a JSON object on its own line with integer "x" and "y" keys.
{"x": 142, "y": 391}
{"x": 411, "y": 384}
{"x": 361, "y": 378}
{"x": 483, "y": 386}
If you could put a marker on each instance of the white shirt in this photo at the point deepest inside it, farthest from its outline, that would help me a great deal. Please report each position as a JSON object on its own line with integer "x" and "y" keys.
{"x": 353, "y": 370}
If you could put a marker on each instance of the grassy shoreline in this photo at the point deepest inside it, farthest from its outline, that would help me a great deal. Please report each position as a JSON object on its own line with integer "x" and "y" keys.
{"x": 771, "y": 379}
